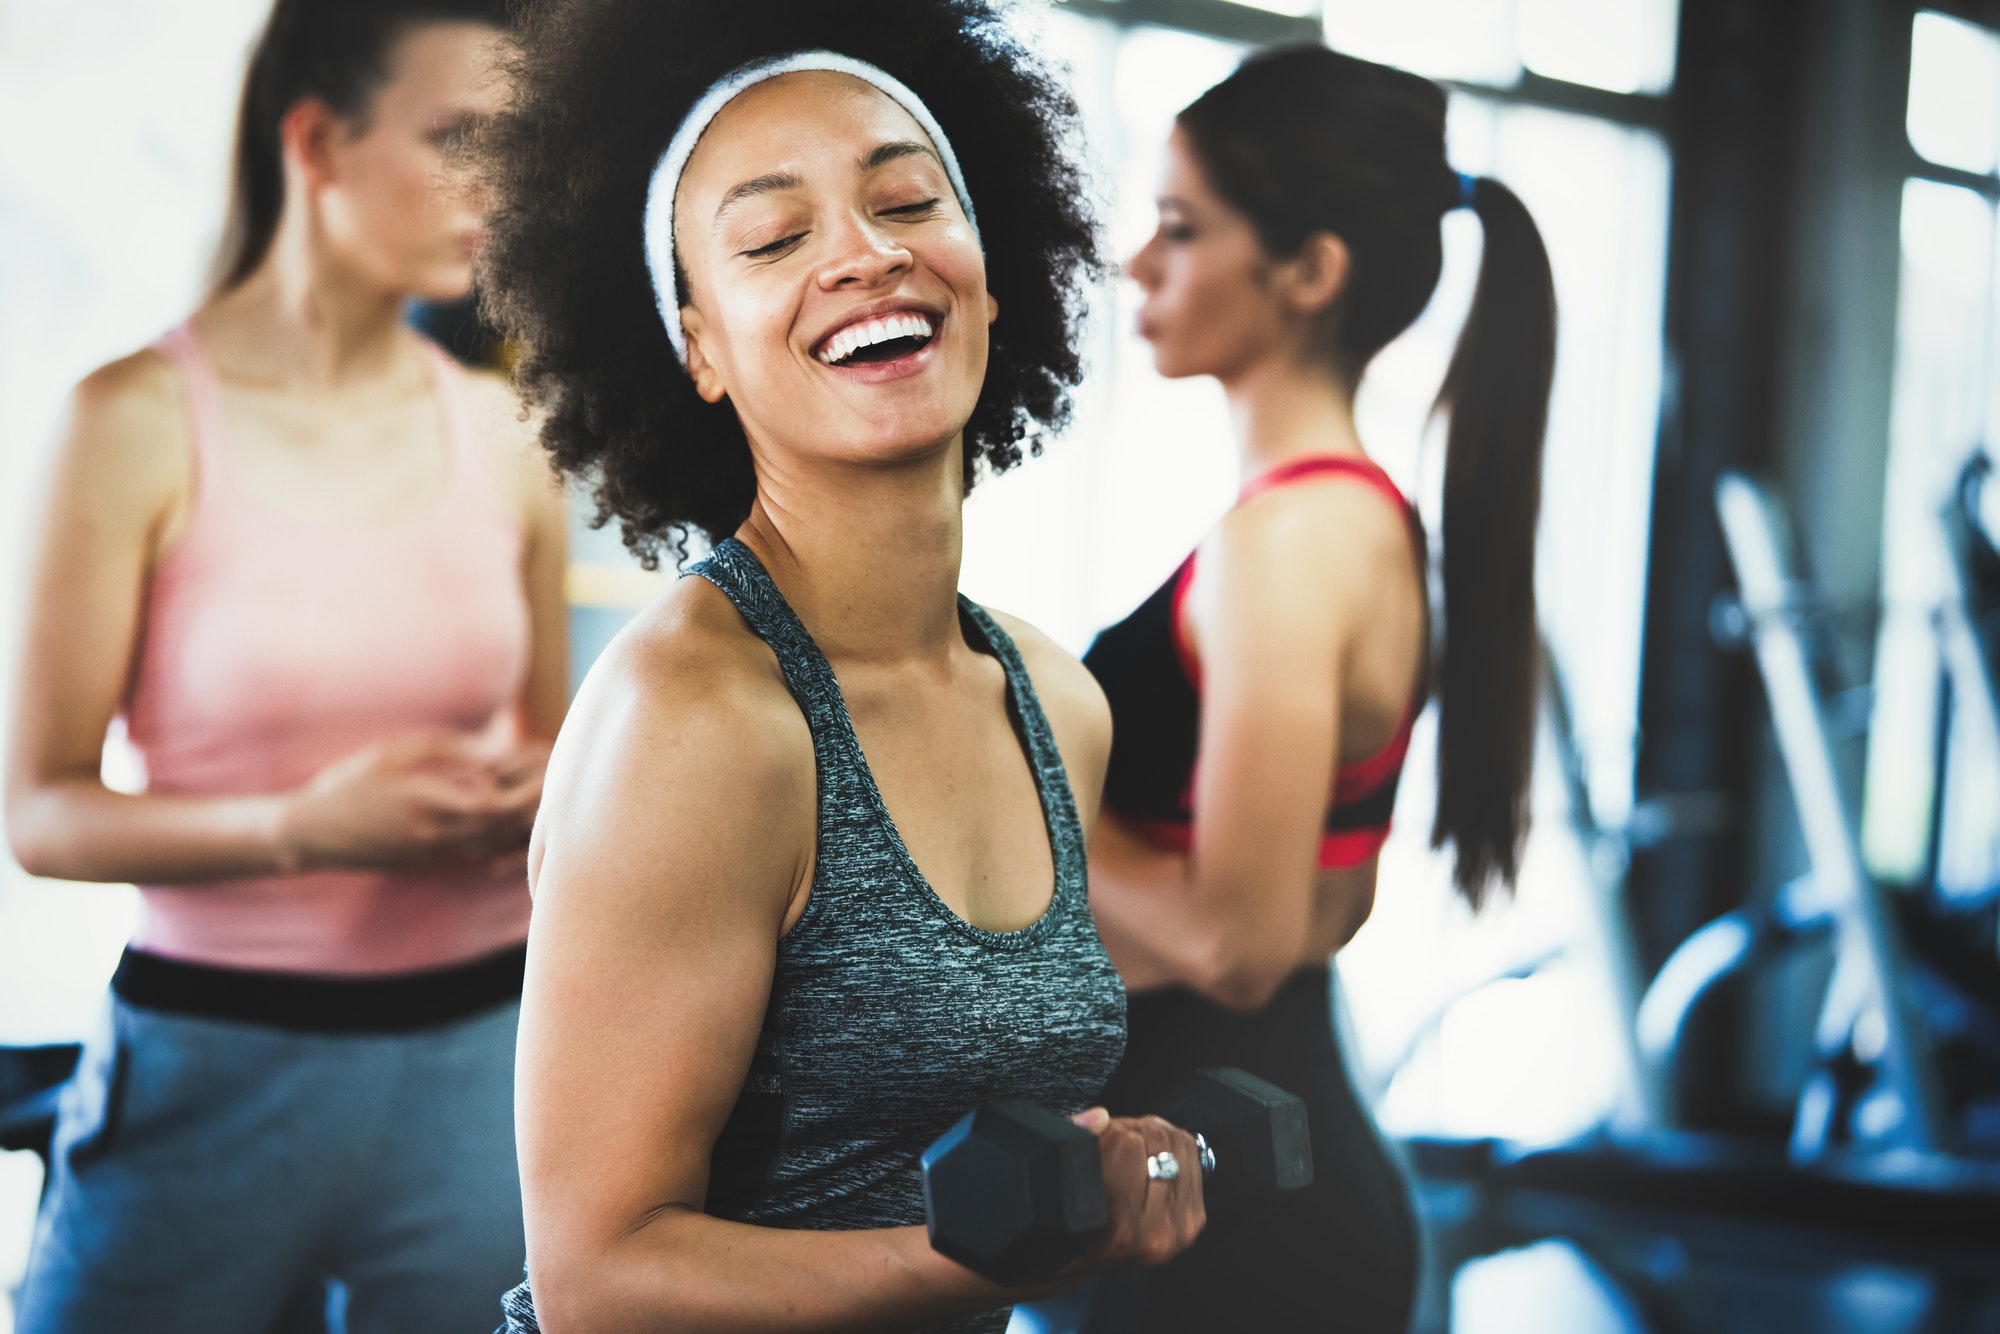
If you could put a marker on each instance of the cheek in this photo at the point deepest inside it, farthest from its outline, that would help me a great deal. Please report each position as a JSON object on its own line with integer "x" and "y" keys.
{"x": 950, "y": 252}
{"x": 1216, "y": 294}
{"x": 963, "y": 269}
{"x": 1207, "y": 313}
{"x": 398, "y": 188}
{"x": 749, "y": 331}
{"x": 420, "y": 182}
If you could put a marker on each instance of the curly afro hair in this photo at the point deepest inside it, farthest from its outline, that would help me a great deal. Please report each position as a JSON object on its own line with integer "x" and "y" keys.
{"x": 601, "y": 87}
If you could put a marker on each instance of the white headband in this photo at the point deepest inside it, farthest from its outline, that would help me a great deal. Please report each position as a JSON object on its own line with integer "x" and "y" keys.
{"x": 667, "y": 175}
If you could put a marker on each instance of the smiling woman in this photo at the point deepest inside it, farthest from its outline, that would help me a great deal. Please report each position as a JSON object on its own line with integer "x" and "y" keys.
{"x": 577, "y": 161}
{"x": 767, "y": 229}
{"x": 809, "y": 879}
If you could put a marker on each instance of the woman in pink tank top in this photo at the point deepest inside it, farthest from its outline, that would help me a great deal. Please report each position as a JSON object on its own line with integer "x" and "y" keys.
{"x": 316, "y": 568}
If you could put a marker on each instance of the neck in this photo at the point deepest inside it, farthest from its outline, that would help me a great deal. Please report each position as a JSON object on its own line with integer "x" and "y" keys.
{"x": 306, "y": 320}
{"x": 1283, "y": 409}
{"x": 868, "y": 556}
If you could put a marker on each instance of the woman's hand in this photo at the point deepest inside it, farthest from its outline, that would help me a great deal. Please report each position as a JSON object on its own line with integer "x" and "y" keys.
{"x": 1152, "y": 1221}
{"x": 422, "y": 798}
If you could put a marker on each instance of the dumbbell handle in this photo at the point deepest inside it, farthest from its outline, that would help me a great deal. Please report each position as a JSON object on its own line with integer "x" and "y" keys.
{"x": 1015, "y": 1191}
{"x": 1156, "y": 1168}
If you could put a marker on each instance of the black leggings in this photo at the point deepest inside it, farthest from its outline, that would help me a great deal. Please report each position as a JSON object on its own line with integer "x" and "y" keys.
{"x": 1338, "y": 1255}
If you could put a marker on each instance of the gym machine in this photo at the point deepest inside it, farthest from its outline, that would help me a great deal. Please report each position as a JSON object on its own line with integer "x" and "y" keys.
{"x": 1880, "y": 1209}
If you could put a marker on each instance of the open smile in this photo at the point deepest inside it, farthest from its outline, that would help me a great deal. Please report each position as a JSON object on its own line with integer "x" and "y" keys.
{"x": 890, "y": 341}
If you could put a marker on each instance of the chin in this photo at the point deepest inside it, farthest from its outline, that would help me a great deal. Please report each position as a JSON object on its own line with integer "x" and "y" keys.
{"x": 894, "y": 423}
{"x": 441, "y": 283}
{"x": 903, "y": 442}
{"x": 1167, "y": 362}
{"x": 1170, "y": 367}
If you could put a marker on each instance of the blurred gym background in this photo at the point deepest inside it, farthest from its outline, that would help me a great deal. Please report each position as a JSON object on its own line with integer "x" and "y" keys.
{"x": 1730, "y": 1058}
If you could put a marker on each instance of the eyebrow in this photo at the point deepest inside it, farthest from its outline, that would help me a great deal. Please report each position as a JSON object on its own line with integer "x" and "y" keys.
{"x": 769, "y": 183}
{"x": 894, "y": 151}
{"x": 772, "y": 182}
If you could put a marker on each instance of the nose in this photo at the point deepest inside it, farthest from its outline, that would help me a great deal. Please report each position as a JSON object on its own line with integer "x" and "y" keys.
{"x": 1141, "y": 268}
{"x": 862, "y": 255}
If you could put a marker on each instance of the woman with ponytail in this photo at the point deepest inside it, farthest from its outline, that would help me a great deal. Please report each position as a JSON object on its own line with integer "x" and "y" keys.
{"x": 1263, "y": 698}
{"x": 317, "y": 570}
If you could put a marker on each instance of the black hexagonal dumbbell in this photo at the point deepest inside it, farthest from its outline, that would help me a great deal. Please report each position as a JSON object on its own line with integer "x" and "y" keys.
{"x": 1015, "y": 1192}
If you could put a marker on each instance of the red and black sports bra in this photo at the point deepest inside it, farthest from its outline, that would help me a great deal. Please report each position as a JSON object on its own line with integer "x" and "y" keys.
{"x": 1153, "y": 683}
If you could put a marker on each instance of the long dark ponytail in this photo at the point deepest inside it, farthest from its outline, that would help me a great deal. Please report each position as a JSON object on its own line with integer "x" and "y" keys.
{"x": 335, "y": 50}
{"x": 1304, "y": 140}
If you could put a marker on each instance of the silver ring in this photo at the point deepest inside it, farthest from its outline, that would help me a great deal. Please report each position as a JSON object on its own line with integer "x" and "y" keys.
{"x": 1206, "y": 1154}
{"x": 1163, "y": 1166}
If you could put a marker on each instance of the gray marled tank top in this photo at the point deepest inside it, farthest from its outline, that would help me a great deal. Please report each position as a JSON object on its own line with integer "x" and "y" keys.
{"x": 891, "y": 1016}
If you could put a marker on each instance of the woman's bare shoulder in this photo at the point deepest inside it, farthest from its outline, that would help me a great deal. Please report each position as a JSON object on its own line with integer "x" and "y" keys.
{"x": 132, "y": 399}
{"x": 684, "y": 749}
{"x": 1323, "y": 541}
{"x": 689, "y": 661}
{"x": 124, "y": 437}
{"x": 1331, "y": 515}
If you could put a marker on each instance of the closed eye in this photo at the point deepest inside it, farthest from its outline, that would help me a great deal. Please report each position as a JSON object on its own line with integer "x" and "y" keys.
{"x": 913, "y": 210}
{"x": 774, "y": 248}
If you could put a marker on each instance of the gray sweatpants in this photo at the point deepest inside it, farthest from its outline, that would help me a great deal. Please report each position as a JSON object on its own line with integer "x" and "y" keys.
{"x": 209, "y": 1173}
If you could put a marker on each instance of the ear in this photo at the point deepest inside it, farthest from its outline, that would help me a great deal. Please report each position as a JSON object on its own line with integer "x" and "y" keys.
{"x": 308, "y": 133}
{"x": 707, "y": 380}
{"x": 992, "y": 308}
{"x": 1314, "y": 278}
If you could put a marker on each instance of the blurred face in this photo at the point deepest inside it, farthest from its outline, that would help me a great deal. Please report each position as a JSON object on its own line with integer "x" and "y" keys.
{"x": 396, "y": 201}
{"x": 837, "y": 294}
{"x": 1215, "y": 301}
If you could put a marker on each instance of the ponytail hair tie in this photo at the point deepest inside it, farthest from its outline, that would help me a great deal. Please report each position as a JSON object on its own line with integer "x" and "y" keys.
{"x": 1468, "y": 191}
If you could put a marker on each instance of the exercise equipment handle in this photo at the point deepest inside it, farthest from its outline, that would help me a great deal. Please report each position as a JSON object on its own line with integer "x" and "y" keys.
{"x": 1869, "y": 955}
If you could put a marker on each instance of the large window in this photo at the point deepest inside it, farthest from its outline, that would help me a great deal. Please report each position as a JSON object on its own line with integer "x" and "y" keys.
{"x": 1625, "y": 47}
{"x": 1945, "y": 410}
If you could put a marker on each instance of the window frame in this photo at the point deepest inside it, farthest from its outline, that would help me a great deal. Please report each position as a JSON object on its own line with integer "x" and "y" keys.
{"x": 1232, "y": 22}
{"x": 1984, "y": 14}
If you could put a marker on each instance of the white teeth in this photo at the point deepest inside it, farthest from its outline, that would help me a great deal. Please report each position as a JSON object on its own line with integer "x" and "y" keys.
{"x": 870, "y": 332}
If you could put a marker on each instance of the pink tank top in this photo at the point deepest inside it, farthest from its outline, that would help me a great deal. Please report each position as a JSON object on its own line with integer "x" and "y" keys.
{"x": 273, "y": 645}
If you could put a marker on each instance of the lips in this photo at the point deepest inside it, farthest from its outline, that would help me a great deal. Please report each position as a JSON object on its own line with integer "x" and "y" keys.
{"x": 880, "y": 335}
